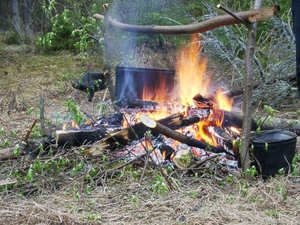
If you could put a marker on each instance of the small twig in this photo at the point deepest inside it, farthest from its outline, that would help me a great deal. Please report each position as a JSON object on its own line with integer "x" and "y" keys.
{"x": 29, "y": 131}
{"x": 104, "y": 96}
{"x": 242, "y": 20}
{"x": 42, "y": 115}
{"x": 199, "y": 163}
{"x": 170, "y": 183}
{"x": 125, "y": 164}
{"x": 145, "y": 165}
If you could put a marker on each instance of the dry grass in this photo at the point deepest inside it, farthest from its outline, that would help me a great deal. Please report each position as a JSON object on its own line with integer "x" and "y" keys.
{"x": 63, "y": 199}
{"x": 203, "y": 202}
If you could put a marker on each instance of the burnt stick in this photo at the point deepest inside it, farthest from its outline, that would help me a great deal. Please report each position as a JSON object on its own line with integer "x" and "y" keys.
{"x": 159, "y": 128}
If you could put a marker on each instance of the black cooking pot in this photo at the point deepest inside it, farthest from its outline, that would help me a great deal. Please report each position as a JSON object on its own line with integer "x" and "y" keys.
{"x": 274, "y": 150}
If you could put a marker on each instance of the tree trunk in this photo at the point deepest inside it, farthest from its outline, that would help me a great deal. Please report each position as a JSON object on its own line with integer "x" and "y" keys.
{"x": 27, "y": 19}
{"x": 247, "y": 96}
{"x": 16, "y": 16}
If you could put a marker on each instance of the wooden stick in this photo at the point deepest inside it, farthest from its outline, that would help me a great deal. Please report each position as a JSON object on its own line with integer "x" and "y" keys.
{"x": 171, "y": 183}
{"x": 199, "y": 163}
{"x": 29, "y": 131}
{"x": 158, "y": 128}
{"x": 218, "y": 21}
{"x": 42, "y": 115}
{"x": 145, "y": 164}
{"x": 125, "y": 164}
{"x": 247, "y": 96}
{"x": 126, "y": 135}
{"x": 242, "y": 20}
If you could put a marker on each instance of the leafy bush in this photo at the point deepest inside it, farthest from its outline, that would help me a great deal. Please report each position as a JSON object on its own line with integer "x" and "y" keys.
{"x": 71, "y": 29}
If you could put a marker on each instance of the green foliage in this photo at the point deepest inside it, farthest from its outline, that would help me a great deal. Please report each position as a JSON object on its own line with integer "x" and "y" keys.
{"x": 73, "y": 28}
{"x": 12, "y": 39}
{"x": 159, "y": 186}
{"x": 74, "y": 110}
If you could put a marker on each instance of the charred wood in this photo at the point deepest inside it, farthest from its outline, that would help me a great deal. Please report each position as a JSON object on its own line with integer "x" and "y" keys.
{"x": 78, "y": 137}
{"x": 135, "y": 132}
{"x": 159, "y": 128}
{"x": 136, "y": 103}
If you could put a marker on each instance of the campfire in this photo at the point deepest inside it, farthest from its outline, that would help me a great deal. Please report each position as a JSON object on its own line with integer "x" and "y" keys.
{"x": 183, "y": 112}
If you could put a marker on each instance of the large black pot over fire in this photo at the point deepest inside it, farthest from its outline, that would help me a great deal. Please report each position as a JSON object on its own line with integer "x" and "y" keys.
{"x": 274, "y": 150}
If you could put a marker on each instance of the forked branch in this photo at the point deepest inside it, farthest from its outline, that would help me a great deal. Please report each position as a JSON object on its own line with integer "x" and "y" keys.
{"x": 218, "y": 21}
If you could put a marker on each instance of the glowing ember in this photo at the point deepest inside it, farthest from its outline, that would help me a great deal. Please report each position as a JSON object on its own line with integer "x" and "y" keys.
{"x": 74, "y": 124}
{"x": 87, "y": 123}
{"x": 172, "y": 156}
{"x": 64, "y": 126}
{"x": 164, "y": 155}
{"x": 235, "y": 130}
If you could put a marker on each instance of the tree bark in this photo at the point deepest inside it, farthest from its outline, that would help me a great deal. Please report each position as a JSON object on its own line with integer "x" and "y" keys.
{"x": 16, "y": 16}
{"x": 251, "y": 16}
{"x": 247, "y": 95}
{"x": 27, "y": 19}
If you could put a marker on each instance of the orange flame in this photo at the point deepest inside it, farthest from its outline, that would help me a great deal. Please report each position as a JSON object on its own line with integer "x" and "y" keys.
{"x": 74, "y": 124}
{"x": 172, "y": 156}
{"x": 157, "y": 93}
{"x": 223, "y": 102}
{"x": 191, "y": 80}
{"x": 88, "y": 122}
{"x": 190, "y": 72}
{"x": 164, "y": 155}
{"x": 64, "y": 126}
{"x": 235, "y": 130}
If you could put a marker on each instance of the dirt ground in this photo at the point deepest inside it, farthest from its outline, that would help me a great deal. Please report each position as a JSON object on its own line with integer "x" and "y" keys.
{"x": 66, "y": 199}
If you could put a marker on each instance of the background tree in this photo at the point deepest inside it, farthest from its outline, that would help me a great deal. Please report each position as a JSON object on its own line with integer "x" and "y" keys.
{"x": 16, "y": 16}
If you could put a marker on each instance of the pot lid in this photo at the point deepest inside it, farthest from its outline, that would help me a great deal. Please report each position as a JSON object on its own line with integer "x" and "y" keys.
{"x": 273, "y": 136}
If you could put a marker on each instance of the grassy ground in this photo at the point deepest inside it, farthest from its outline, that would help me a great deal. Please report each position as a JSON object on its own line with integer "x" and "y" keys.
{"x": 66, "y": 187}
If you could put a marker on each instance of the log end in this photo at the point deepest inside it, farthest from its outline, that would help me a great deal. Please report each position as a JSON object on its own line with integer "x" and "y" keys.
{"x": 98, "y": 16}
{"x": 264, "y": 13}
{"x": 147, "y": 121}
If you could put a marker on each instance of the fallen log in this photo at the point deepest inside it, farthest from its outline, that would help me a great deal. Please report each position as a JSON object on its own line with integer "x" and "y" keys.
{"x": 12, "y": 153}
{"x": 280, "y": 123}
{"x": 223, "y": 20}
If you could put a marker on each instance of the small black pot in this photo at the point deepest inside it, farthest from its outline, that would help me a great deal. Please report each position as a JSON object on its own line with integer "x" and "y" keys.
{"x": 273, "y": 150}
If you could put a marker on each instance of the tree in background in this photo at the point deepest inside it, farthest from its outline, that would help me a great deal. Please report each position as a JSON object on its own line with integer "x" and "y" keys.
{"x": 16, "y": 20}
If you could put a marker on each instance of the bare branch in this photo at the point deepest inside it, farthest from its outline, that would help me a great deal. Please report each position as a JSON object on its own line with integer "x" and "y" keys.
{"x": 218, "y": 21}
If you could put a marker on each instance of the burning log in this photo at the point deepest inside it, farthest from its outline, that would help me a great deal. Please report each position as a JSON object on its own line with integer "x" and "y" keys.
{"x": 159, "y": 128}
{"x": 235, "y": 119}
{"x": 78, "y": 137}
{"x": 136, "y": 103}
{"x": 218, "y": 21}
{"x": 137, "y": 131}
